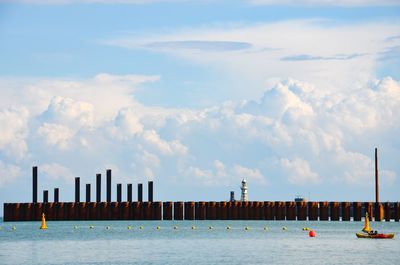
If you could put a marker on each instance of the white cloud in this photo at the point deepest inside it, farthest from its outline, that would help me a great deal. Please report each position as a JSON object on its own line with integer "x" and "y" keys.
{"x": 321, "y": 52}
{"x": 56, "y": 134}
{"x": 295, "y": 130}
{"x": 299, "y": 172}
{"x": 174, "y": 147}
{"x": 56, "y": 171}
{"x": 14, "y": 130}
{"x": 8, "y": 173}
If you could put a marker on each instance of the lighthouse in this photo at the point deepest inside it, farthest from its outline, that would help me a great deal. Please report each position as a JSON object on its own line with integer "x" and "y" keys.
{"x": 244, "y": 197}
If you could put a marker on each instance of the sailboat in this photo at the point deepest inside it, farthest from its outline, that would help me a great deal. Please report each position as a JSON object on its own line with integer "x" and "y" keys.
{"x": 367, "y": 231}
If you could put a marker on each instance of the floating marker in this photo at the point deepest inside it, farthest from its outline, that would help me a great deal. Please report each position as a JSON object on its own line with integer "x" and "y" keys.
{"x": 266, "y": 228}
{"x": 158, "y": 227}
{"x": 129, "y": 227}
{"x": 14, "y": 227}
{"x": 228, "y": 227}
{"x": 108, "y": 227}
{"x": 306, "y": 228}
{"x": 43, "y": 225}
{"x": 91, "y": 227}
{"x": 141, "y": 227}
{"x": 312, "y": 233}
{"x": 284, "y": 228}
{"x": 193, "y": 227}
{"x": 75, "y": 227}
{"x": 175, "y": 227}
{"x": 210, "y": 227}
{"x": 247, "y": 228}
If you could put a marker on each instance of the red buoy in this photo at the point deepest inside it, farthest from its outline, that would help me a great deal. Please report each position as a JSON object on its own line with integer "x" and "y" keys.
{"x": 312, "y": 233}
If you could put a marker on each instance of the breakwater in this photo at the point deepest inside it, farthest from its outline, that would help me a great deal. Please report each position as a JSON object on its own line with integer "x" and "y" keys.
{"x": 251, "y": 210}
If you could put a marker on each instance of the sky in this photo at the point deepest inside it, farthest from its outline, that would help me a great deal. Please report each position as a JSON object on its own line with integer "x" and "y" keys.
{"x": 293, "y": 96}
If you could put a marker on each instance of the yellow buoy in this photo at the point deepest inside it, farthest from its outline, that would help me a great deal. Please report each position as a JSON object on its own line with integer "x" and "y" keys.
{"x": 108, "y": 227}
{"x": 141, "y": 227}
{"x": 91, "y": 227}
{"x": 193, "y": 227}
{"x": 129, "y": 227}
{"x": 266, "y": 228}
{"x": 175, "y": 227}
{"x": 158, "y": 227}
{"x": 210, "y": 227}
{"x": 228, "y": 227}
{"x": 14, "y": 227}
{"x": 284, "y": 228}
{"x": 247, "y": 228}
{"x": 306, "y": 228}
{"x": 43, "y": 226}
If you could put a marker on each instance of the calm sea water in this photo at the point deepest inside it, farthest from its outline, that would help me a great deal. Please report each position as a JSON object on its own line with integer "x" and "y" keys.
{"x": 63, "y": 243}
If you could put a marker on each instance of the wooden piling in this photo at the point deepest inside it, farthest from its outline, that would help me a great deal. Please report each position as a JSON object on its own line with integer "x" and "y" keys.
{"x": 6, "y": 212}
{"x": 105, "y": 213}
{"x": 388, "y": 211}
{"x": 92, "y": 211}
{"x": 313, "y": 208}
{"x": 167, "y": 210}
{"x": 37, "y": 211}
{"x": 234, "y": 212}
{"x": 396, "y": 207}
{"x": 357, "y": 211}
{"x": 211, "y": 213}
{"x": 189, "y": 210}
{"x": 280, "y": 213}
{"x": 323, "y": 211}
{"x": 83, "y": 211}
{"x": 178, "y": 210}
{"x": 60, "y": 216}
{"x": 147, "y": 210}
{"x": 136, "y": 210}
{"x": 250, "y": 210}
{"x": 346, "y": 211}
{"x": 269, "y": 210}
{"x": 156, "y": 211}
{"x": 26, "y": 212}
{"x": 224, "y": 210}
{"x": 244, "y": 211}
{"x": 379, "y": 213}
{"x": 301, "y": 211}
{"x": 334, "y": 211}
{"x": 261, "y": 210}
{"x": 290, "y": 210}
{"x": 368, "y": 208}
{"x": 126, "y": 211}
{"x": 49, "y": 211}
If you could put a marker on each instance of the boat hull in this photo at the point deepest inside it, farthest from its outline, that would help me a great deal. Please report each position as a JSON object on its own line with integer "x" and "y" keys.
{"x": 377, "y": 236}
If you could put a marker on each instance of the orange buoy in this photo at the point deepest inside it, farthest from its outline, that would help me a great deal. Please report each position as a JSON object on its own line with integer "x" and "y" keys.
{"x": 43, "y": 226}
{"x": 312, "y": 233}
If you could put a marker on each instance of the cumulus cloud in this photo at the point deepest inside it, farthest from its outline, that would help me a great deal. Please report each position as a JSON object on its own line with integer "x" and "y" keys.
{"x": 174, "y": 147}
{"x": 295, "y": 131}
{"x": 56, "y": 171}
{"x": 8, "y": 173}
{"x": 14, "y": 130}
{"x": 299, "y": 171}
{"x": 55, "y": 134}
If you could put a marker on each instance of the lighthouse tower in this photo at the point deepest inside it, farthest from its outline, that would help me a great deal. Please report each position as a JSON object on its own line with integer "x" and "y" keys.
{"x": 244, "y": 197}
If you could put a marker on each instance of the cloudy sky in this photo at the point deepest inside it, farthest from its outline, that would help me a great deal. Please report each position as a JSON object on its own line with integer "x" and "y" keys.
{"x": 292, "y": 95}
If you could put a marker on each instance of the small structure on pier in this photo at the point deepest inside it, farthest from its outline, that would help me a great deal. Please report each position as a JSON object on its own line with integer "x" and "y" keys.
{"x": 244, "y": 197}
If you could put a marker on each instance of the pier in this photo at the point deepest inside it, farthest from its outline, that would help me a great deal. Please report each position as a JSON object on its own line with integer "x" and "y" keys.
{"x": 188, "y": 210}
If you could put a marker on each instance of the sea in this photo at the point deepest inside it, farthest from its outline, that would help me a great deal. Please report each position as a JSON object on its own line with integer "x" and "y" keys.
{"x": 196, "y": 242}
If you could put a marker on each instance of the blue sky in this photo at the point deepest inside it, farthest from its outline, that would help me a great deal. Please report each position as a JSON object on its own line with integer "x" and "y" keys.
{"x": 197, "y": 95}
